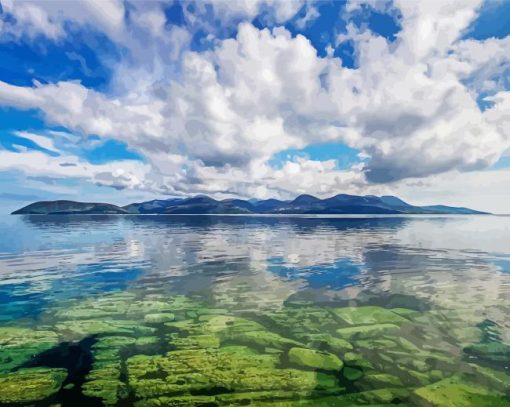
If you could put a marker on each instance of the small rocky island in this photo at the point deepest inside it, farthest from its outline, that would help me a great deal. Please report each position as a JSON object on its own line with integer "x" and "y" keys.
{"x": 303, "y": 204}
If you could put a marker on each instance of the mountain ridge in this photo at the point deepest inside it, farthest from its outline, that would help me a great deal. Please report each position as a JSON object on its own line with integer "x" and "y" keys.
{"x": 201, "y": 204}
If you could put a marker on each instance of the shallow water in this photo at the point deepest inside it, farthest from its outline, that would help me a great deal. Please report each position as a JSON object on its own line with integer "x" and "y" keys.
{"x": 234, "y": 310}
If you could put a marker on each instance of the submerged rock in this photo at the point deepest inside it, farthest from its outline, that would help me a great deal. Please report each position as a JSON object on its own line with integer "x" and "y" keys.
{"x": 112, "y": 305}
{"x": 372, "y": 398}
{"x": 352, "y": 373}
{"x": 456, "y": 391}
{"x": 262, "y": 339}
{"x": 376, "y": 344}
{"x": 492, "y": 351}
{"x": 196, "y": 342}
{"x": 490, "y": 378}
{"x": 357, "y": 359}
{"x": 104, "y": 383}
{"x": 158, "y": 351}
{"x": 310, "y": 358}
{"x": 19, "y": 345}
{"x": 30, "y": 385}
{"x": 228, "y": 329}
{"x": 177, "y": 401}
{"x": 368, "y": 315}
{"x": 237, "y": 369}
{"x": 119, "y": 306}
{"x": 367, "y": 331}
{"x": 381, "y": 380}
{"x": 89, "y": 327}
{"x": 159, "y": 318}
{"x": 328, "y": 342}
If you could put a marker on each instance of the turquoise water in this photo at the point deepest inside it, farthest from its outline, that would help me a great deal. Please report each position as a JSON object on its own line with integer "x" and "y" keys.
{"x": 174, "y": 310}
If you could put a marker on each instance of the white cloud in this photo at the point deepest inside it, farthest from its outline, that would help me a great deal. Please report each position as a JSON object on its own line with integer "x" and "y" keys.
{"x": 430, "y": 28}
{"x": 118, "y": 174}
{"x": 310, "y": 15}
{"x": 499, "y": 114}
{"x": 30, "y": 20}
{"x": 47, "y": 18}
{"x": 208, "y": 122}
{"x": 414, "y": 113}
{"x": 249, "y": 9}
{"x": 72, "y": 105}
{"x": 298, "y": 176}
{"x": 41, "y": 141}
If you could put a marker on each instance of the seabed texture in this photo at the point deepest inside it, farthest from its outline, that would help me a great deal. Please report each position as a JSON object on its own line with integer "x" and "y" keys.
{"x": 126, "y": 349}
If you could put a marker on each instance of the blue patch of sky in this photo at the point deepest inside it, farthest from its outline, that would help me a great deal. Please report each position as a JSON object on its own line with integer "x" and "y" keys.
{"x": 321, "y": 31}
{"x": 109, "y": 150}
{"x": 347, "y": 53}
{"x": 502, "y": 80}
{"x": 502, "y": 163}
{"x": 15, "y": 119}
{"x": 13, "y": 142}
{"x": 482, "y": 98}
{"x": 332, "y": 21}
{"x": 344, "y": 155}
{"x": 493, "y": 21}
{"x": 200, "y": 41}
{"x": 204, "y": 23}
{"x": 386, "y": 25}
{"x": 82, "y": 55}
{"x": 175, "y": 14}
{"x": 481, "y": 101}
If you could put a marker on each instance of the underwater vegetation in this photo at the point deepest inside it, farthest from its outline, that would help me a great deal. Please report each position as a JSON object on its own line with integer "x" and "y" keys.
{"x": 128, "y": 349}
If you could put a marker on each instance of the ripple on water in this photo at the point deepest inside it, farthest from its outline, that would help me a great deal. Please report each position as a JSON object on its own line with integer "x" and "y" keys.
{"x": 368, "y": 310}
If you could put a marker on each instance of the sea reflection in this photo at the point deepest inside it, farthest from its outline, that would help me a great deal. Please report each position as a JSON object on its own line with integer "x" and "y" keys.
{"x": 265, "y": 260}
{"x": 230, "y": 310}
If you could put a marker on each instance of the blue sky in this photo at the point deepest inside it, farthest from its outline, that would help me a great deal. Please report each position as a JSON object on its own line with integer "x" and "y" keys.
{"x": 119, "y": 101}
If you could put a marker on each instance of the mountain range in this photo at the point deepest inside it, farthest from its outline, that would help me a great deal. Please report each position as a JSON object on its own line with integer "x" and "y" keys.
{"x": 303, "y": 204}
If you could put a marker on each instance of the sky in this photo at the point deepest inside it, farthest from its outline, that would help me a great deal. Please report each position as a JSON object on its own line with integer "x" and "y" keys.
{"x": 124, "y": 101}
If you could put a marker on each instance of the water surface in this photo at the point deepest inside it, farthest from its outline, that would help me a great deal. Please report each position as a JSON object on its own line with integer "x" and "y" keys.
{"x": 235, "y": 310}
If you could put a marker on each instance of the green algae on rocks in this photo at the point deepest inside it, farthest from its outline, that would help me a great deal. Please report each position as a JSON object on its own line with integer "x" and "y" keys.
{"x": 314, "y": 359}
{"x": 327, "y": 342}
{"x": 19, "y": 345}
{"x": 183, "y": 372}
{"x": 86, "y": 327}
{"x": 456, "y": 391}
{"x": 155, "y": 350}
{"x": 30, "y": 385}
{"x": 368, "y": 315}
{"x": 103, "y": 381}
{"x": 352, "y": 373}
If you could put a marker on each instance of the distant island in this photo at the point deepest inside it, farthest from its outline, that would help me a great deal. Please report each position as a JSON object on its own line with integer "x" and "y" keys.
{"x": 303, "y": 204}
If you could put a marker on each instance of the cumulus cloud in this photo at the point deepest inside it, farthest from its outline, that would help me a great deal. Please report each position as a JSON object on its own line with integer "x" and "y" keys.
{"x": 249, "y": 9}
{"x": 483, "y": 65}
{"x": 122, "y": 174}
{"x": 47, "y": 18}
{"x": 210, "y": 121}
{"x": 416, "y": 115}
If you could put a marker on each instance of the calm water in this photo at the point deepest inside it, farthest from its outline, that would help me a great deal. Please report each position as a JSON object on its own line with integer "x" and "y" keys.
{"x": 177, "y": 310}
